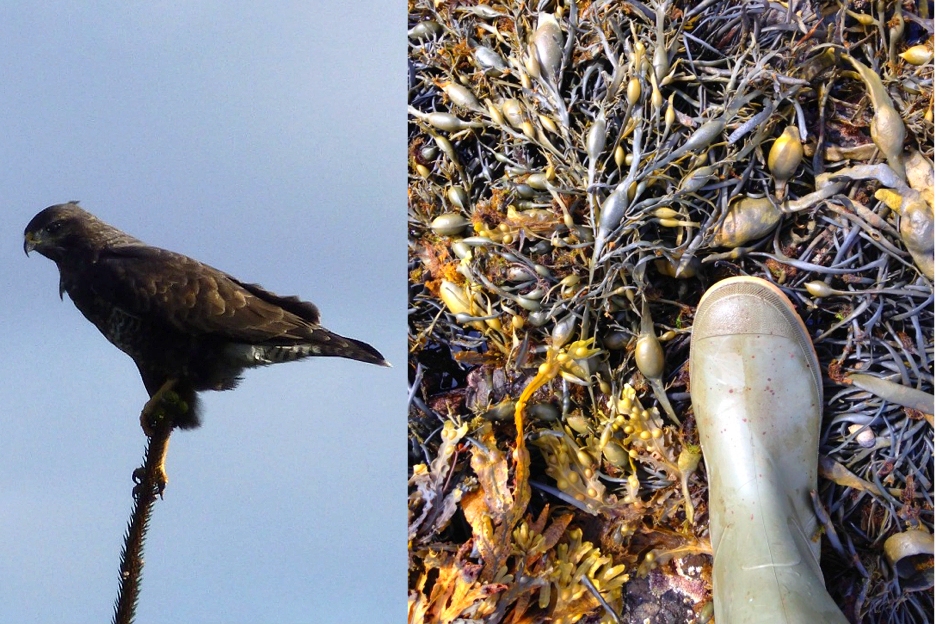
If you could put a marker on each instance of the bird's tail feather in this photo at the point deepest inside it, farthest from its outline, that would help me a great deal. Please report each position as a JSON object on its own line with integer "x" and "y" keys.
{"x": 329, "y": 344}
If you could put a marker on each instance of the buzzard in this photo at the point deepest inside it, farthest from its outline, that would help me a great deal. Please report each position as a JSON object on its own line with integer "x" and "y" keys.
{"x": 188, "y": 327}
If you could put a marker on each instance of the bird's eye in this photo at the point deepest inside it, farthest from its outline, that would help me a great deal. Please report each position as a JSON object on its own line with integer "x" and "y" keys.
{"x": 53, "y": 227}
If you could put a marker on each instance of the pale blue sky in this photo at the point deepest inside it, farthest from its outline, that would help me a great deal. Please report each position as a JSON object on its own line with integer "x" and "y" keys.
{"x": 268, "y": 140}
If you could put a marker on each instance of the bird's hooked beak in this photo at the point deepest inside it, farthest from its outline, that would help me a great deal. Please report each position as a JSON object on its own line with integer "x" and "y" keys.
{"x": 30, "y": 243}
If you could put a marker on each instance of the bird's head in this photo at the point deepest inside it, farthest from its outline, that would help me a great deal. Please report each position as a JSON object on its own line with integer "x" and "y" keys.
{"x": 59, "y": 230}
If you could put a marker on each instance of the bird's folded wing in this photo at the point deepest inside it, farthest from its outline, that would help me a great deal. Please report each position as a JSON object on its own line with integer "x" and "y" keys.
{"x": 166, "y": 287}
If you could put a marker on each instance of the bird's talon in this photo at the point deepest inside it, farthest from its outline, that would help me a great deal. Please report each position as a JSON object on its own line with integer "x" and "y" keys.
{"x": 160, "y": 480}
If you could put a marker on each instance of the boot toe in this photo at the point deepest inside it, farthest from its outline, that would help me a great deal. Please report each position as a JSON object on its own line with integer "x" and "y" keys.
{"x": 741, "y": 306}
{"x": 745, "y": 305}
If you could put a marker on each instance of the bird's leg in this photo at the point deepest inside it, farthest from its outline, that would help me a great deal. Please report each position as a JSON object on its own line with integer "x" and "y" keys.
{"x": 158, "y": 419}
{"x": 151, "y": 476}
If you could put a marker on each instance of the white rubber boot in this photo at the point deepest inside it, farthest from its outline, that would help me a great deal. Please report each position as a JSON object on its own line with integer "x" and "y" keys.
{"x": 757, "y": 396}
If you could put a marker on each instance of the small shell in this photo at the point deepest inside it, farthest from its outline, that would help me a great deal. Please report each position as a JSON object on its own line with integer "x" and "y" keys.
{"x": 865, "y": 438}
{"x": 911, "y": 554}
{"x": 449, "y": 224}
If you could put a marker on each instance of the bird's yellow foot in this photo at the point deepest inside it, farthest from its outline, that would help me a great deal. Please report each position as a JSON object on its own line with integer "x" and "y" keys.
{"x": 161, "y": 408}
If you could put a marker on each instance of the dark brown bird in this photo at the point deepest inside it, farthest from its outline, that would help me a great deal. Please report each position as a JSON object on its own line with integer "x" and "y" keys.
{"x": 187, "y": 326}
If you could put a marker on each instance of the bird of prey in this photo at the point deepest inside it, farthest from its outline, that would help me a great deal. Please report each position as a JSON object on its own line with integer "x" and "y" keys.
{"x": 188, "y": 327}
